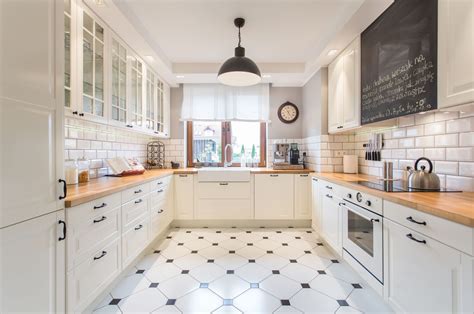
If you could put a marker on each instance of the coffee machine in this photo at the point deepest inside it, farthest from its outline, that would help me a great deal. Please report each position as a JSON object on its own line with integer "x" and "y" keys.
{"x": 287, "y": 157}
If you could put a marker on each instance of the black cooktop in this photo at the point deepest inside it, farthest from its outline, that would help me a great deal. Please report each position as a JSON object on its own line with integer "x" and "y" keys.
{"x": 396, "y": 186}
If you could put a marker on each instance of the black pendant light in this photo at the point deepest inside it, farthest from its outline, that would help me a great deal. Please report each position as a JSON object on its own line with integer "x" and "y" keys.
{"x": 239, "y": 70}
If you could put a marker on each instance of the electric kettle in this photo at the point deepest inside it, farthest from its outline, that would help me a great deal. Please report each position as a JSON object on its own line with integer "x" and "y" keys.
{"x": 422, "y": 179}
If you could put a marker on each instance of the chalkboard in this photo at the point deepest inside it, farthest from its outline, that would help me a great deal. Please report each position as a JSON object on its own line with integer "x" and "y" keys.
{"x": 399, "y": 61}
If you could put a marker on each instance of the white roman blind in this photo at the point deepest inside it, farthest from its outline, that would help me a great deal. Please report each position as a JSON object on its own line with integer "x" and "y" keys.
{"x": 215, "y": 102}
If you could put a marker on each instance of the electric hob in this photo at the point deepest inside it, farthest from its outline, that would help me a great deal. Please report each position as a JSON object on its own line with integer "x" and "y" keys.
{"x": 396, "y": 186}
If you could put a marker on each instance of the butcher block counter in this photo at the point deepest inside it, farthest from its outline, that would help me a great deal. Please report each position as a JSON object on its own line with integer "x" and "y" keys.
{"x": 456, "y": 207}
{"x": 96, "y": 188}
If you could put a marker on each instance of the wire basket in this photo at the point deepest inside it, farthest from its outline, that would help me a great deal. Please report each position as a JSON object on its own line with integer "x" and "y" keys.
{"x": 155, "y": 156}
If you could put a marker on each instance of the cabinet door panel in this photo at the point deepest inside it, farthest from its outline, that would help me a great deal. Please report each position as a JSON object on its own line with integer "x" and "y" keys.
{"x": 32, "y": 262}
{"x": 184, "y": 201}
{"x": 274, "y": 196}
{"x": 421, "y": 277}
{"x": 331, "y": 221}
{"x": 302, "y": 196}
{"x": 455, "y": 51}
{"x": 351, "y": 95}
{"x": 315, "y": 205}
{"x": 335, "y": 95}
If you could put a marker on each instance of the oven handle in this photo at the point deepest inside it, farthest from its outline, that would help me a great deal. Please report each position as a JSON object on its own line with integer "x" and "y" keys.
{"x": 358, "y": 213}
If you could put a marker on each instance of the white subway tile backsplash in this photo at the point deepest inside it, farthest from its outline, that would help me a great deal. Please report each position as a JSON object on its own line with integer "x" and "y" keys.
{"x": 460, "y": 154}
{"x": 435, "y": 128}
{"x": 435, "y": 153}
{"x": 424, "y": 118}
{"x": 460, "y": 125}
{"x": 446, "y": 140}
{"x": 69, "y": 143}
{"x": 460, "y": 183}
{"x": 406, "y": 143}
{"x": 399, "y": 133}
{"x": 446, "y": 115}
{"x": 415, "y": 153}
{"x": 466, "y": 169}
{"x": 415, "y": 130}
{"x": 406, "y": 121}
{"x": 466, "y": 139}
{"x": 446, "y": 167}
{"x": 398, "y": 153}
{"x": 424, "y": 141}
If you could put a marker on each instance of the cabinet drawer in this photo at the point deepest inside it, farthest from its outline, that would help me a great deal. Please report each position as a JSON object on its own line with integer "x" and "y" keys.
{"x": 87, "y": 280}
{"x": 132, "y": 210}
{"x": 331, "y": 189}
{"x": 86, "y": 236}
{"x": 158, "y": 218}
{"x": 135, "y": 192}
{"x": 453, "y": 234}
{"x": 159, "y": 195}
{"x": 224, "y": 209}
{"x": 224, "y": 190}
{"x": 134, "y": 240}
{"x": 91, "y": 209}
{"x": 159, "y": 183}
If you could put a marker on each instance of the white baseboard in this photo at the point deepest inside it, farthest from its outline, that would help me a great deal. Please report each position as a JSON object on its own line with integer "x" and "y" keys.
{"x": 303, "y": 223}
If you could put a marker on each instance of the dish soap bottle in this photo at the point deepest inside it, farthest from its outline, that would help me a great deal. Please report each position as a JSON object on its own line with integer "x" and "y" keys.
{"x": 242, "y": 157}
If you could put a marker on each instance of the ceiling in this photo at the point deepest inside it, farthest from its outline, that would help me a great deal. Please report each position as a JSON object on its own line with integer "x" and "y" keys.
{"x": 282, "y": 36}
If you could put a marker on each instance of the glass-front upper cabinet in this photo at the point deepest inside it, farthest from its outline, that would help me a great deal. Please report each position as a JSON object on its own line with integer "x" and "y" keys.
{"x": 119, "y": 82}
{"x": 160, "y": 115}
{"x": 92, "y": 66}
{"x": 67, "y": 53}
{"x": 136, "y": 91}
{"x": 150, "y": 100}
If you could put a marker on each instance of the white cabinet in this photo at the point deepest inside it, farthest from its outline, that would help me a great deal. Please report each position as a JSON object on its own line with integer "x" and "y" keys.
{"x": 274, "y": 196}
{"x": 315, "y": 205}
{"x": 455, "y": 51}
{"x": 31, "y": 104}
{"x": 184, "y": 200}
{"x": 344, "y": 90}
{"x": 302, "y": 196}
{"x": 424, "y": 275}
{"x": 32, "y": 262}
{"x": 331, "y": 221}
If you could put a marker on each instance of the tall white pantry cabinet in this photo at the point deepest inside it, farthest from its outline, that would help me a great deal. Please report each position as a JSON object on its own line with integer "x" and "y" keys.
{"x": 32, "y": 226}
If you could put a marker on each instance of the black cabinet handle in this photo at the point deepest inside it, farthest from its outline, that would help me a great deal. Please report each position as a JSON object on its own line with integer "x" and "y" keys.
{"x": 314, "y": 179}
{"x": 340, "y": 127}
{"x": 375, "y": 220}
{"x": 328, "y": 187}
{"x": 64, "y": 189}
{"x": 340, "y": 204}
{"x": 75, "y": 112}
{"x": 129, "y": 126}
{"x": 139, "y": 227}
{"x": 183, "y": 175}
{"x": 410, "y": 219}
{"x": 159, "y": 183}
{"x": 273, "y": 175}
{"x": 99, "y": 220}
{"x": 81, "y": 114}
{"x": 63, "y": 237}
{"x": 159, "y": 191}
{"x": 100, "y": 206}
{"x": 411, "y": 237}
{"x": 223, "y": 183}
{"x": 138, "y": 191}
{"x": 160, "y": 211}
{"x": 138, "y": 201}
{"x": 329, "y": 196}
{"x": 156, "y": 132}
{"x": 101, "y": 255}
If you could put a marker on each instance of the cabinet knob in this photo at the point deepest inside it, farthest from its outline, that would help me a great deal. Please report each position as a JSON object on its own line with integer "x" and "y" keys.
{"x": 368, "y": 203}
{"x": 349, "y": 195}
{"x": 81, "y": 114}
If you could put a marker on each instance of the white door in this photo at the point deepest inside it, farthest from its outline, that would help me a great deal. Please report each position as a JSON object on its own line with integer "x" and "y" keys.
{"x": 421, "y": 274}
{"x": 274, "y": 196}
{"x": 302, "y": 196}
{"x": 335, "y": 95}
{"x": 31, "y": 109}
{"x": 315, "y": 205}
{"x": 184, "y": 196}
{"x": 351, "y": 78}
{"x": 32, "y": 263}
{"x": 455, "y": 51}
{"x": 331, "y": 221}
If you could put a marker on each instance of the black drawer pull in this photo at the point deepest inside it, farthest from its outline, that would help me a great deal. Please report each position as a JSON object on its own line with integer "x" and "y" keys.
{"x": 223, "y": 183}
{"x": 303, "y": 175}
{"x": 138, "y": 201}
{"x": 329, "y": 196}
{"x": 159, "y": 191}
{"x": 139, "y": 227}
{"x": 64, "y": 189}
{"x": 62, "y": 222}
{"x": 183, "y": 175}
{"x": 328, "y": 187}
{"x": 273, "y": 175}
{"x": 314, "y": 179}
{"x": 159, "y": 183}
{"x": 99, "y": 220}
{"x": 138, "y": 191}
{"x": 100, "y": 206}
{"x": 160, "y": 211}
{"x": 410, "y": 219}
{"x": 374, "y": 220}
{"x": 411, "y": 237}
{"x": 101, "y": 255}
{"x": 340, "y": 127}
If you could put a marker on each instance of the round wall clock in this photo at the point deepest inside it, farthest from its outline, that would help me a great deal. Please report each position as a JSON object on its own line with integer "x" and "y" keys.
{"x": 288, "y": 112}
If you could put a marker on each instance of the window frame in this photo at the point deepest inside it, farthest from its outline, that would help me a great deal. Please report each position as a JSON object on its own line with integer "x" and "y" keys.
{"x": 226, "y": 138}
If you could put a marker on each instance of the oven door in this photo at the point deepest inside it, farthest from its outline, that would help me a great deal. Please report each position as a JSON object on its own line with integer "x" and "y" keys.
{"x": 362, "y": 238}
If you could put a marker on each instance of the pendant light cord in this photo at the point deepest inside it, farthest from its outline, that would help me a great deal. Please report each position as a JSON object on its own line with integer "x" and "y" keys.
{"x": 239, "y": 37}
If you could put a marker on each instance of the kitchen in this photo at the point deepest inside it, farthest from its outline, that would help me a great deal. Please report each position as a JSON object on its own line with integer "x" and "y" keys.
{"x": 326, "y": 164}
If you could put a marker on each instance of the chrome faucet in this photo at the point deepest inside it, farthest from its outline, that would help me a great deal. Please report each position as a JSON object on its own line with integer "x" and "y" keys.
{"x": 228, "y": 163}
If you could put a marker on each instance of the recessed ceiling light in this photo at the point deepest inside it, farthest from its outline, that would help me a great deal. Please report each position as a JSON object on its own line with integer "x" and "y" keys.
{"x": 179, "y": 76}
{"x": 332, "y": 52}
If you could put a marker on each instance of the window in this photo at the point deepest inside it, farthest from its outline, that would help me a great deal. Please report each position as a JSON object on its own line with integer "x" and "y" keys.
{"x": 206, "y": 141}
{"x": 119, "y": 81}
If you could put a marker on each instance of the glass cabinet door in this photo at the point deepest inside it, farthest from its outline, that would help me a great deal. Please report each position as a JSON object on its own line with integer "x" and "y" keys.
{"x": 160, "y": 114}
{"x": 136, "y": 92}
{"x": 67, "y": 53}
{"x": 92, "y": 66}
{"x": 119, "y": 81}
{"x": 150, "y": 101}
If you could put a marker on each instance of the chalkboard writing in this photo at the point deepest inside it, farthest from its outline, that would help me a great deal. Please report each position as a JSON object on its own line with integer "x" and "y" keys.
{"x": 399, "y": 61}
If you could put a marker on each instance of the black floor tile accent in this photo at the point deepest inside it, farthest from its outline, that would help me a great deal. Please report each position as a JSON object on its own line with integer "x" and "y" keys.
{"x": 228, "y": 301}
{"x": 194, "y": 252}
{"x": 249, "y": 244}
{"x": 275, "y": 272}
{"x": 233, "y": 238}
{"x": 185, "y": 271}
{"x": 285, "y": 302}
{"x": 153, "y": 285}
{"x": 204, "y": 285}
{"x": 248, "y": 231}
{"x": 293, "y": 261}
{"x": 254, "y": 285}
{"x": 284, "y": 244}
{"x": 297, "y": 238}
{"x": 169, "y": 261}
{"x": 278, "y": 232}
{"x": 320, "y": 244}
{"x": 305, "y": 286}
{"x": 335, "y": 261}
{"x": 180, "y": 244}
{"x": 230, "y": 272}
{"x": 309, "y": 231}
{"x": 342, "y": 303}
{"x": 307, "y": 252}
{"x": 114, "y": 301}
{"x": 210, "y": 261}
{"x": 189, "y": 231}
{"x": 251, "y": 261}
{"x": 321, "y": 272}
{"x": 215, "y": 244}
{"x": 357, "y": 286}
{"x": 201, "y": 238}
{"x": 171, "y": 302}
{"x": 218, "y": 231}
{"x": 156, "y": 251}
{"x": 140, "y": 271}
{"x": 168, "y": 237}
{"x": 265, "y": 238}
{"x": 231, "y": 252}
{"x": 269, "y": 252}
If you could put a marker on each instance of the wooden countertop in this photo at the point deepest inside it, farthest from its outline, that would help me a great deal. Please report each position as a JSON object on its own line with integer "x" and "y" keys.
{"x": 96, "y": 188}
{"x": 457, "y": 207}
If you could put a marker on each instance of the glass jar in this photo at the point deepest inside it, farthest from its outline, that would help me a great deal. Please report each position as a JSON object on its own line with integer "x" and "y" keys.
{"x": 83, "y": 175}
{"x": 72, "y": 171}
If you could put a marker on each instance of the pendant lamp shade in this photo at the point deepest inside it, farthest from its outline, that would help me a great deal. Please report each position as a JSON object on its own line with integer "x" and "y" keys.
{"x": 239, "y": 70}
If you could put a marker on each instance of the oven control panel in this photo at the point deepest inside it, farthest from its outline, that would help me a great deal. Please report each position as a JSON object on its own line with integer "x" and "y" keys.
{"x": 372, "y": 203}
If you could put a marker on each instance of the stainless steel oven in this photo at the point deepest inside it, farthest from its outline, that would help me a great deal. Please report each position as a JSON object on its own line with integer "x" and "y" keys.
{"x": 363, "y": 237}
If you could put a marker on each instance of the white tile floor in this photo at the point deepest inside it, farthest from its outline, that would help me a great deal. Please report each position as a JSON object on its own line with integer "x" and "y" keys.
{"x": 234, "y": 270}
